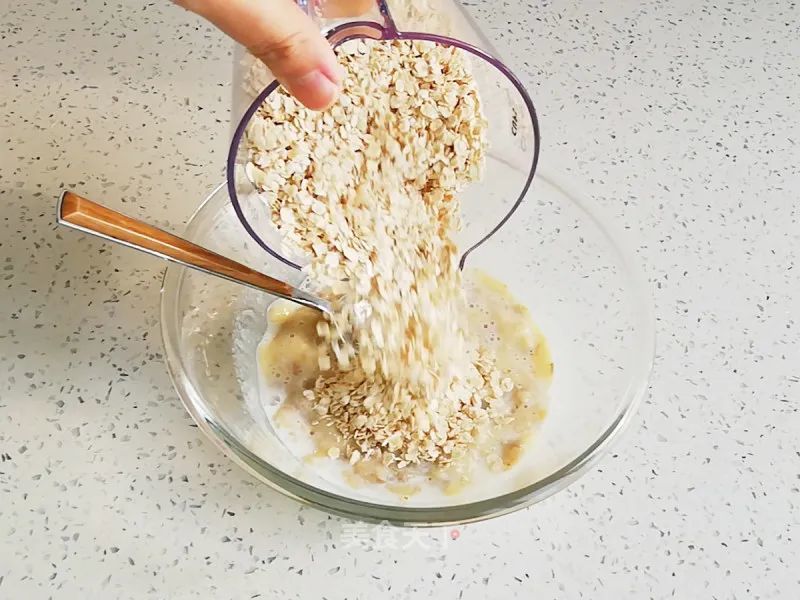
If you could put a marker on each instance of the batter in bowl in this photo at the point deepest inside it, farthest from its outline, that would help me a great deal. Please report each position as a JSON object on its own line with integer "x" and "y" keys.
{"x": 288, "y": 364}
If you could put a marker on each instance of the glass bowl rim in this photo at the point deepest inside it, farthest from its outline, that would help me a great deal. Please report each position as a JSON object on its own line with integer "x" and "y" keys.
{"x": 412, "y": 515}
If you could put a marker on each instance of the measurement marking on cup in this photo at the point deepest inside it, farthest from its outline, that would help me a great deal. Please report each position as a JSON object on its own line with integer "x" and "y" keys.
{"x": 514, "y": 121}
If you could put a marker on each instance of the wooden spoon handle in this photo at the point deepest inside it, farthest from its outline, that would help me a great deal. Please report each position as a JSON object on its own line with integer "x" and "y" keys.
{"x": 91, "y": 217}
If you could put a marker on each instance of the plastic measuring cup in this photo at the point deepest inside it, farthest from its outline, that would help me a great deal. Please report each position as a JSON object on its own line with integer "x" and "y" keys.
{"x": 512, "y": 136}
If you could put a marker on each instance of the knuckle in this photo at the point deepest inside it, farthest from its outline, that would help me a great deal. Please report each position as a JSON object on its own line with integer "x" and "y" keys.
{"x": 282, "y": 52}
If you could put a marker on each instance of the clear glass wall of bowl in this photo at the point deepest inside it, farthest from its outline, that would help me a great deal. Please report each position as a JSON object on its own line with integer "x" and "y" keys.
{"x": 558, "y": 258}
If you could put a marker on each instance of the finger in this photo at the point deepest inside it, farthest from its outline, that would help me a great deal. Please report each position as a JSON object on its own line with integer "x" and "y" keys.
{"x": 285, "y": 38}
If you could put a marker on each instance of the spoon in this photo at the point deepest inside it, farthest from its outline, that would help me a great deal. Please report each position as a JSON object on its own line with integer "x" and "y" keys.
{"x": 84, "y": 215}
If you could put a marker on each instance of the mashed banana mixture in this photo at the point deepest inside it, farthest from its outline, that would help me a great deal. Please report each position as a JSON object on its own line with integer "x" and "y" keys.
{"x": 287, "y": 360}
{"x": 402, "y": 378}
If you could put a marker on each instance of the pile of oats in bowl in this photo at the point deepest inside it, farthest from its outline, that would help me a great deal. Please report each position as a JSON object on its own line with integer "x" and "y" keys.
{"x": 367, "y": 191}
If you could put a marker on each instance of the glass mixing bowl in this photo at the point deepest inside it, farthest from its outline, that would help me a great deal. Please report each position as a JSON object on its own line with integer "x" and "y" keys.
{"x": 557, "y": 256}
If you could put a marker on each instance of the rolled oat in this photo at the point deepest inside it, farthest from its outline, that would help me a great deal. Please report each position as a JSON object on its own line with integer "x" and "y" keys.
{"x": 368, "y": 191}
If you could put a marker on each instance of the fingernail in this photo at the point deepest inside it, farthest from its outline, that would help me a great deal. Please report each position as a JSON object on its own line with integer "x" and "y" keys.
{"x": 314, "y": 89}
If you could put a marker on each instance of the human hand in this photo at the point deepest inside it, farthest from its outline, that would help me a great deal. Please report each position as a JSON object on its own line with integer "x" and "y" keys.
{"x": 285, "y": 38}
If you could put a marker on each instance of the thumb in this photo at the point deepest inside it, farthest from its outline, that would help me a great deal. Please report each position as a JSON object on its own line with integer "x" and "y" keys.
{"x": 285, "y": 38}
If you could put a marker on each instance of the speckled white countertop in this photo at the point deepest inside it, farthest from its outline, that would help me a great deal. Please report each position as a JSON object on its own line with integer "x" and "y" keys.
{"x": 681, "y": 116}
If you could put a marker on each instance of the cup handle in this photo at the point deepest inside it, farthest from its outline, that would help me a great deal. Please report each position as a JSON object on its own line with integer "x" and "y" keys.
{"x": 388, "y": 20}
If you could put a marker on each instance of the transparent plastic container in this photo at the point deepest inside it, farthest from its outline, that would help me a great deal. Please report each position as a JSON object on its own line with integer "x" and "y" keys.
{"x": 512, "y": 131}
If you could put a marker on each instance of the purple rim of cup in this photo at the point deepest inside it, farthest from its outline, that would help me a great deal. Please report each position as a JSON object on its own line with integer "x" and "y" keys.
{"x": 361, "y": 30}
